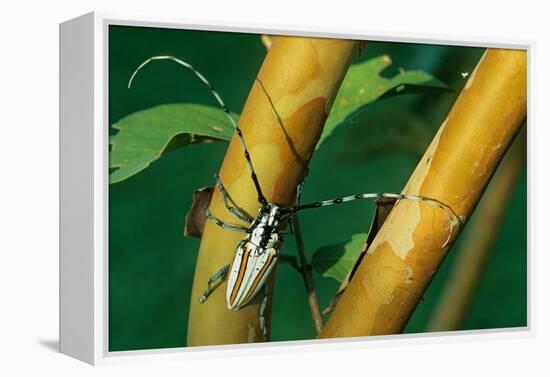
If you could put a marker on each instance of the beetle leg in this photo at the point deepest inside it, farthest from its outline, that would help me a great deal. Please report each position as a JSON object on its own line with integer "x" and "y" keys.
{"x": 218, "y": 222}
{"x": 263, "y": 307}
{"x": 230, "y": 204}
{"x": 219, "y": 275}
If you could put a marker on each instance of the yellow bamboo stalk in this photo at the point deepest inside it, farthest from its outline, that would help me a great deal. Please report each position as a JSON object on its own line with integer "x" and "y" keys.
{"x": 455, "y": 169}
{"x": 484, "y": 228}
{"x": 302, "y": 77}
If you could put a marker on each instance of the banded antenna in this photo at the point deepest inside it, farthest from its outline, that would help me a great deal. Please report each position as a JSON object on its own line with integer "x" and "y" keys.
{"x": 289, "y": 211}
{"x": 454, "y": 218}
{"x": 261, "y": 197}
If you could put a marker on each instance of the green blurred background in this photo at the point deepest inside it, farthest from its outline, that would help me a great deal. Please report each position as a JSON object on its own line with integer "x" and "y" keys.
{"x": 151, "y": 263}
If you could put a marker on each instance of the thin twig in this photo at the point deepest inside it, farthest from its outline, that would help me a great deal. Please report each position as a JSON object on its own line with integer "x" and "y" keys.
{"x": 308, "y": 278}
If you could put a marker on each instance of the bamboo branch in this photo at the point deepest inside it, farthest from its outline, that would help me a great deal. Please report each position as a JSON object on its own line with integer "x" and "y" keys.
{"x": 472, "y": 257}
{"x": 455, "y": 170}
{"x": 302, "y": 77}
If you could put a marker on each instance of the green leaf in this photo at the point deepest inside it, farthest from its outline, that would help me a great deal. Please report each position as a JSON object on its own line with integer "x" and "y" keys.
{"x": 146, "y": 135}
{"x": 364, "y": 84}
{"x": 335, "y": 261}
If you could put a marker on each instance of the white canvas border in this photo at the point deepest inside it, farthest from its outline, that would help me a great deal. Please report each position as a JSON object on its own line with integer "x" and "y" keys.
{"x": 100, "y": 341}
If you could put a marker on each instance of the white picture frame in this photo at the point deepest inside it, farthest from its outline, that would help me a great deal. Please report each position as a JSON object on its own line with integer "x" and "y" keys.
{"x": 84, "y": 191}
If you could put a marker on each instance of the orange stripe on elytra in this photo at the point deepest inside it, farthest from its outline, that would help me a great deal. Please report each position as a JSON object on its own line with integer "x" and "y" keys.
{"x": 240, "y": 276}
{"x": 259, "y": 277}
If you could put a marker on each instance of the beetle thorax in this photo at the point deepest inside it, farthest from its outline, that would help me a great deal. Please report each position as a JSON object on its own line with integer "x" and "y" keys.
{"x": 265, "y": 229}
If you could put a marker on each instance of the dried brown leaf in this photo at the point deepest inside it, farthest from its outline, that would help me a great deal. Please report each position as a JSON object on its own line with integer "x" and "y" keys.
{"x": 196, "y": 218}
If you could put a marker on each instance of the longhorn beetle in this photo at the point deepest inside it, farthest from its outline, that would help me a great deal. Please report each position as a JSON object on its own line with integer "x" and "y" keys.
{"x": 258, "y": 251}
